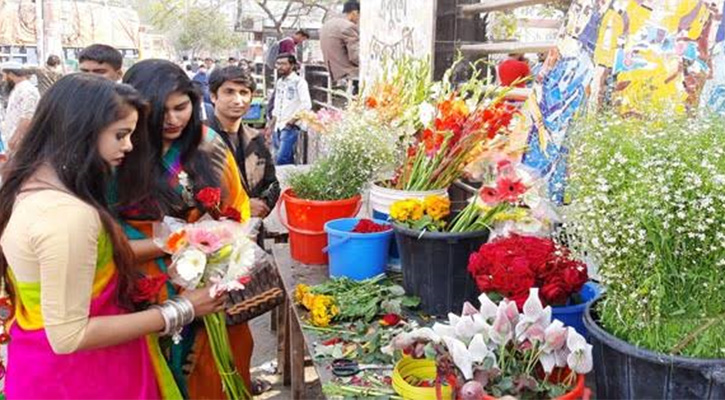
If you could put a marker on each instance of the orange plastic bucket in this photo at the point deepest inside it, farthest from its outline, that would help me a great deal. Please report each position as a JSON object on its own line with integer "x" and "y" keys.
{"x": 306, "y": 223}
{"x": 579, "y": 392}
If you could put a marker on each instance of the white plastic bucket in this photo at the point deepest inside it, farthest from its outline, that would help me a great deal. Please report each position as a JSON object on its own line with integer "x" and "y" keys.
{"x": 382, "y": 198}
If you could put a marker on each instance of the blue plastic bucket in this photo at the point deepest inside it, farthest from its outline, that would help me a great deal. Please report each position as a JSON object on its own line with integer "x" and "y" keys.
{"x": 357, "y": 256}
{"x": 574, "y": 315}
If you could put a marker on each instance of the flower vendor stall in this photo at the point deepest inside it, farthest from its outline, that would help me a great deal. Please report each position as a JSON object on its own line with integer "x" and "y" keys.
{"x": 409, "y": 142}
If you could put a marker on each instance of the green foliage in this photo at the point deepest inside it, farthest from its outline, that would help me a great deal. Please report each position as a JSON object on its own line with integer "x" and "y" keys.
{"x": 649, "y": 208}
{"x": 192, "y": 27}
{"x": 358, "y": 151}
{"x": 363, "y": 300}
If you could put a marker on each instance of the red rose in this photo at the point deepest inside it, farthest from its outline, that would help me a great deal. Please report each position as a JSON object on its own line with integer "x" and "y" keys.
{"x": 575, "y": 276}
{"x": 555, "y": 293}
{"x": 148, "y": 288}
{"x": 209, "y": 197}
{"x": 232, "y": 214}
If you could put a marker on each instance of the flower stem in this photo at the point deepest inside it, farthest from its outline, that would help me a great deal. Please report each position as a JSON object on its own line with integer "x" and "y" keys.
{"x": 232, "y": 382}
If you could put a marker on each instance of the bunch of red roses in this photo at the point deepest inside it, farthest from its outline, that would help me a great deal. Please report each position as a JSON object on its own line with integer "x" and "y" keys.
{"x": 511, "y": 266}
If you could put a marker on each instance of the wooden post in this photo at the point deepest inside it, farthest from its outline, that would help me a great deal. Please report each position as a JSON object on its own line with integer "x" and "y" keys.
{"x": 283, "y": 342}
{"x": 297, "y": 357}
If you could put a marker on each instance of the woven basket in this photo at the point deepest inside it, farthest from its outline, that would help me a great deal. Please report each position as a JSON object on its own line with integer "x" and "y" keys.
{"x": 263, "y": 293}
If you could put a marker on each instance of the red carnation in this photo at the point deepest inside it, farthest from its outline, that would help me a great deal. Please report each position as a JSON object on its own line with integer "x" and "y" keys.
{"x": 209, "y": 197}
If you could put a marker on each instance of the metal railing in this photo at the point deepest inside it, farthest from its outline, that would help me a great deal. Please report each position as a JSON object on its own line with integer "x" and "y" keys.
{"x": 322, "y": 90}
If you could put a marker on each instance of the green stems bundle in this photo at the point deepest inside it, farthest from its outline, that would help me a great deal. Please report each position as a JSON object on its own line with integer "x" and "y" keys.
{"x": 475, "y": 218}
{"x": 216, "y": 329}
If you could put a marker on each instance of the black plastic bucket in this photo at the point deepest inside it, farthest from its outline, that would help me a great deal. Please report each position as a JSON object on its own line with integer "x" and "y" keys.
{"x": 624, "y": 371}
{"x": 435, "y": 268}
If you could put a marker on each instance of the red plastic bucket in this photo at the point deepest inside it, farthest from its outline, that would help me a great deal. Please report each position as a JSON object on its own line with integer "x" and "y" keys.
{"x": 306, "y": 223}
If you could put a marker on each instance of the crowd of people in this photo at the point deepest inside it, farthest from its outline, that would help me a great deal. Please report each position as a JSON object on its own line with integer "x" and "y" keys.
{"x": 90, "y": 162}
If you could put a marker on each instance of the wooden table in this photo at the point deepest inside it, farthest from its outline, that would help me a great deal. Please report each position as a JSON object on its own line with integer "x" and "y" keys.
{"x": 291, "y": 339}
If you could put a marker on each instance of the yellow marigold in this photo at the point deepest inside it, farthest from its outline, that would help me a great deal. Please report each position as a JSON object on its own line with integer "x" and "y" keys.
{"x": 438, "y": 207}
{"x": 322, "y": 310}
{"x": 300, "y": 292}
{"x": 417, "y": 209}
{"x": 399, "y": 211}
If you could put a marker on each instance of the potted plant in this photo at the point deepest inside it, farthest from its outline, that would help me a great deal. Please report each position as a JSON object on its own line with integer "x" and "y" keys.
{"x": 497, "y": 351}
{"x": 649, "y": 207}
{"x": 357, "y": 150}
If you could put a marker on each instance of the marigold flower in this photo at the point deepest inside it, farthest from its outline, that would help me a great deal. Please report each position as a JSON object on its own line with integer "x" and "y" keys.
{"x": 417, "y": 209}
{"x": 300, "y": 292}
{"x": 437, "y": 207}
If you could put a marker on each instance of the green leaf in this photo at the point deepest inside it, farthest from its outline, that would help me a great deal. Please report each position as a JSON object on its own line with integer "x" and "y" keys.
{"x": 410, "y": 301}
{"x": 506, "y": 384}
{"x": 396, "y": 290}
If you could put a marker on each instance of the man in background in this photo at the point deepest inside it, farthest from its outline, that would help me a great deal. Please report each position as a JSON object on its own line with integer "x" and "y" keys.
{"x": 290, "y": 43}
{"x": 231, "y": 91}
{"x": 291, "y": 95}
{"x": 49, "y": 74}
{"x": 102, "y": 60}
{"x": 21, "y": 103}
{"x": 209, "y": 64}
{"x": 340, "y": 42}
{"x": 202, "y": 78}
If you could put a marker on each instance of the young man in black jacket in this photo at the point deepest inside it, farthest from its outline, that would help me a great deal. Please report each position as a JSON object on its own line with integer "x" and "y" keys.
{"x": 231, "y": 89}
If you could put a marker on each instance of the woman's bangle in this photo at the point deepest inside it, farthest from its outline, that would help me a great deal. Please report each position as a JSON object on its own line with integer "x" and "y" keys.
{"x": 177, "y": 313}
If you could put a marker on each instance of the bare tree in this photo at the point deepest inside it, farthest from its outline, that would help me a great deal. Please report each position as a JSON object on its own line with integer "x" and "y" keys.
{"x": 293, "y": 9}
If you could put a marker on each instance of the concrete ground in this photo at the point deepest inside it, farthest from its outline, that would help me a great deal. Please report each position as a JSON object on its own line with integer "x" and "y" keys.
{"x": 264, "y": 358}
{"x": 264, "y": 361}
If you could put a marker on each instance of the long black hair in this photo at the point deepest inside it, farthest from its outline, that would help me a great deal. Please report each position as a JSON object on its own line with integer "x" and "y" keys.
{"x": 64, "y": 135}
{"x": 157, "y": 80}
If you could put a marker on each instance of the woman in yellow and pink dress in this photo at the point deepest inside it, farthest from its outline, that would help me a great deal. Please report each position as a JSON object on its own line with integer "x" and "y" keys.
{"x": 67, "y": 265}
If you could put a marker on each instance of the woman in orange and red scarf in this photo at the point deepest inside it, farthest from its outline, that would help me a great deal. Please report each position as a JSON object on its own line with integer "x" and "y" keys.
{"x": 188, "y": 158}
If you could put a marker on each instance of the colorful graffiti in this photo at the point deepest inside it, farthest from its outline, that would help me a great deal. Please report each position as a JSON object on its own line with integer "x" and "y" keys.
{"x": 627, "y": 55}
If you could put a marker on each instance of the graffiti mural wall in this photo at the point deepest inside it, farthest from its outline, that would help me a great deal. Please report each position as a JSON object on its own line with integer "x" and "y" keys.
{"x": 629, "y": 55}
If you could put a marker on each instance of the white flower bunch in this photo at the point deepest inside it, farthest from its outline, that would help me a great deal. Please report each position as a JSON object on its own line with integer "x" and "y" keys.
{"x": 497, "y": 341}
{"x": 357, "y": 151}
{"x": 648, "y": 205}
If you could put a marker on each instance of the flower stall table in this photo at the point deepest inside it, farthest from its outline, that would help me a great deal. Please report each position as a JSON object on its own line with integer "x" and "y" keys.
{"x": 291, "y": 339}
{"x": 294, "y": 340}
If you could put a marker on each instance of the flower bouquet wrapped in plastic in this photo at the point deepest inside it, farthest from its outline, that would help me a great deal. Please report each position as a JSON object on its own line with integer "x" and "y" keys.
{"x": 221, "y": 255}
